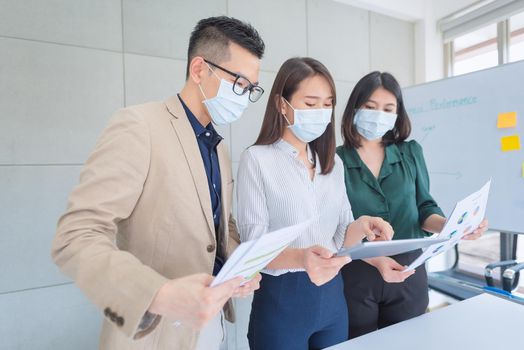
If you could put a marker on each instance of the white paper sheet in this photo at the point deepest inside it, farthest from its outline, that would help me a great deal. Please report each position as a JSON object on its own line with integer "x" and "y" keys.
{"x": 465, "y": 218}
{"x": 252, "y": 256}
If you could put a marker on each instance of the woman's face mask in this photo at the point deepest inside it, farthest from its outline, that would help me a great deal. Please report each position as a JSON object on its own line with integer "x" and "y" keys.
{"x": 309, "y": 124}
{"x": 374, "y": 124}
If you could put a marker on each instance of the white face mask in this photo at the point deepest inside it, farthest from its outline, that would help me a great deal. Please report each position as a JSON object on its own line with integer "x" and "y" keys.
{"x": 309, "y": 124}
{"x": 373, "y": 124}
{"x": 226, "y": 107}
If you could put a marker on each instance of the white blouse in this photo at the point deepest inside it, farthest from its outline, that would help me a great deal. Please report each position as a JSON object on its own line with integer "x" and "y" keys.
{"x": 275, "y": 190}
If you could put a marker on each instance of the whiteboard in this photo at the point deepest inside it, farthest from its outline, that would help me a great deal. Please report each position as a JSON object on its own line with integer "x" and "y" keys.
{"x": 455, "y": 121}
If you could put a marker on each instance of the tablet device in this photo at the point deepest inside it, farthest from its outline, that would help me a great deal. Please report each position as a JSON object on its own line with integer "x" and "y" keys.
{"x": 387, "y": 248}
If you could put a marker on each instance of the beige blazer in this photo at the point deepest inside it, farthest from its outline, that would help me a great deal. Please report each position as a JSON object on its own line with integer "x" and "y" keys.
{"x": 140, "y": 215}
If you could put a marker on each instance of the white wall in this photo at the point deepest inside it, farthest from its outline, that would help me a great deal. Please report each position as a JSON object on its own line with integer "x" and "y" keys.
{"x": 66, "y": 66}
{"x": 429, "y": 55}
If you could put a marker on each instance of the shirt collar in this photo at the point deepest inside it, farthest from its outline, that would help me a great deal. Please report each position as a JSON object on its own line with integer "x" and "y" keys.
{"x": 393, "y": 154}
{"x": 352, "y": 159}
{"x": 198, "y": 128}
{"x": 289, "y": 149}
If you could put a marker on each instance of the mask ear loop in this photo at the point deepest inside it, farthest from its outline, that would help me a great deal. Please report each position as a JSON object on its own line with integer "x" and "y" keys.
{"x": 202, "y": 91}
{"x": 287, "y": 120}
{"x": 289, "y": 104}
{"x": 216, "y": 76}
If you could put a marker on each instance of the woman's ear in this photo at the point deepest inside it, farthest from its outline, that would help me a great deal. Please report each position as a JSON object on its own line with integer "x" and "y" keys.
{"x": 280, "y": 104}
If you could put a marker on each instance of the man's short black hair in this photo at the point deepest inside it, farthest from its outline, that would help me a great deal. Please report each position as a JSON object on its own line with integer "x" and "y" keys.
{"x": 211, "y": 37}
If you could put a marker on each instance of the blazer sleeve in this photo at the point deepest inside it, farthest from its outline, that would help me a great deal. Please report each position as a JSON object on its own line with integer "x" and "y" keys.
{"x": 84, "y": 248}
{"x": 234, "y": 238}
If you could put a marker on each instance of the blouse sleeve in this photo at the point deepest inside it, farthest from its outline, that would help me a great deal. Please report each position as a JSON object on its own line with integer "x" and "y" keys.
{"x": 345, "y": 215}
{"x": 252, "y": 211}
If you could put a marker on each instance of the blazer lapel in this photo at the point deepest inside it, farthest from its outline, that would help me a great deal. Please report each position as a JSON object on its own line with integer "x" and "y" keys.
{"x": 225, "y": 176}
{"x": 187, "y": 139}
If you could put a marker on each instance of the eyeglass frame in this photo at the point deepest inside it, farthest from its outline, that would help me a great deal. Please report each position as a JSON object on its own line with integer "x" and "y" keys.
{"x": 238, "y": 76}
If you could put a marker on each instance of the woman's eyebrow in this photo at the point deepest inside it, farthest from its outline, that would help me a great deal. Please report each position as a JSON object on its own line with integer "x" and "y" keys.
{"x": 317, "y": 97}
{"x": 387, "y": 104}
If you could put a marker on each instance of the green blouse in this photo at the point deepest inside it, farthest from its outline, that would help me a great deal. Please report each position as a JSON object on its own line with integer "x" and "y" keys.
{"x": 400, "y": 195}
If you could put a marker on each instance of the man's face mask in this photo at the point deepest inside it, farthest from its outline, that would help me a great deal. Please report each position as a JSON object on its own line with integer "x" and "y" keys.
{"x": 226, "y": 107}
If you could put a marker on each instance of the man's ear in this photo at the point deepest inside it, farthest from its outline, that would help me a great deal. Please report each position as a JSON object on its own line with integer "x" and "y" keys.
{"x": 197, "y": 69}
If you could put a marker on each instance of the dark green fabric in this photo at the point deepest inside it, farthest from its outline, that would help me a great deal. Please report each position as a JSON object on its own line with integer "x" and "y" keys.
{"x": 400, "y": 195}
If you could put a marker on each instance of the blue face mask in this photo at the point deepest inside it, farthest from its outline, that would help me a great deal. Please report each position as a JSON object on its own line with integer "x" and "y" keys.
{"x": 226, "y": 107}
{"x": 309, "y": 124}
{"x": 373, "y": 124}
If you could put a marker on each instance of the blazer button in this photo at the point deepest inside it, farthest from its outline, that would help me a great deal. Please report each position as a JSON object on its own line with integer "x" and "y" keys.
{"x": 107, "y": 312}
{"x": 119, "y": 321}
{"x": 210, "y": 248}
{"x": 113, "y": 317}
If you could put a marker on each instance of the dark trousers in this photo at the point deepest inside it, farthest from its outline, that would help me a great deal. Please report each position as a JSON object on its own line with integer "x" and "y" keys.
{"x": 374, "y": 304}
{"x": 289, "y": 312}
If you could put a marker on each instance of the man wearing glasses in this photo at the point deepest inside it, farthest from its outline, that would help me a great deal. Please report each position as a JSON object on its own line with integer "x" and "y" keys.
{"x": 149, "y": 224}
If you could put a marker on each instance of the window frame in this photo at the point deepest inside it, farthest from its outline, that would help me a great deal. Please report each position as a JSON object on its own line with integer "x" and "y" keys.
{"x": 503, "y": 45}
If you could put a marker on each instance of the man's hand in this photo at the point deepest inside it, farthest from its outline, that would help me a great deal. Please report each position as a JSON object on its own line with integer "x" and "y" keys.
{"x": 320, "y": 264}
{"x": 190, "y": 301}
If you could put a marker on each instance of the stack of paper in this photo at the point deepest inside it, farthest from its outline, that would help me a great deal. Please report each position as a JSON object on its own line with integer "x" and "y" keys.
{"x": 465, "y": 218}
{"x": 252, "y": 256}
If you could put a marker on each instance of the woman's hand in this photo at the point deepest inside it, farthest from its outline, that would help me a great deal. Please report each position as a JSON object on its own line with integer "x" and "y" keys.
{"x": 248, "y": 288}
{"x": 391, "y": 271}
{"x": 372, "y": 228}
{"x": 320, "y": 264}
{"x": 483, "y": 227}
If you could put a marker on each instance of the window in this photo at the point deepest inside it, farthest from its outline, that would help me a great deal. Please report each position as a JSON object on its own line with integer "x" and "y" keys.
{"x": 475, "y": 51}
{"x": 475, "y": 255}
{"x": 485, "y": 34}
{"x": 520, "y": 258}
{"x": 516, "y": 45}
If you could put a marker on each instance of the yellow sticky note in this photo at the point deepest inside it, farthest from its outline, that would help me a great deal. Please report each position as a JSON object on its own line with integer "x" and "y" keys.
{"x": 510, "y": 143}
{"x": 507, "y": 120}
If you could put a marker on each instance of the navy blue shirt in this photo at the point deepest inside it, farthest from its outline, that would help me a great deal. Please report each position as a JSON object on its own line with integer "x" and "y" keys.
{"x": 208, "y": 139}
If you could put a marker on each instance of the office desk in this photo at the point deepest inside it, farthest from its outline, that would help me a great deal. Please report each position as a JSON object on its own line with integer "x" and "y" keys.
{"x": 482, "y": 322}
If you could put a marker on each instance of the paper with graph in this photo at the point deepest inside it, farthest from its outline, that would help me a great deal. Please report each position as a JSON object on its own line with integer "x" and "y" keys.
{"x": 465, "y": 218}
{"x": 252, "y": 256}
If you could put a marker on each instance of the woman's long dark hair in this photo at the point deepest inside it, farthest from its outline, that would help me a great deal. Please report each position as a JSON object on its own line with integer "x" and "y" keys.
{"x": 290, "y": 75}
{"x": 360, "y": 95}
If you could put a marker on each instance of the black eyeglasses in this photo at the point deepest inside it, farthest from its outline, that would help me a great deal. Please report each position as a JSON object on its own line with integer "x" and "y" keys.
{"x": 241, "y": 84}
